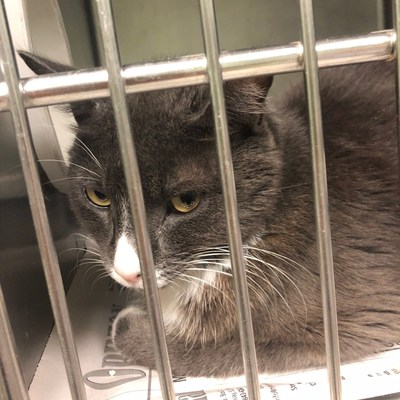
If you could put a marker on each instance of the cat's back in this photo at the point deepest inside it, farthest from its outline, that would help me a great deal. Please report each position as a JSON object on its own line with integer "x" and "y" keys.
{"x": 359, "y": 103}
{"x": 359, "y": 120}
{"x": 353, "y": 98}
{"x": 360, "y": 136}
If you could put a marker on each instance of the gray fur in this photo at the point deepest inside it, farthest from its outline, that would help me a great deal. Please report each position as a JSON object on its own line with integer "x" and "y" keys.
{"x": 174, "y": 139}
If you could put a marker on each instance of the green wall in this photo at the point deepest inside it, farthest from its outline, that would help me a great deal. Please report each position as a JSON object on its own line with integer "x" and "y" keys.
{"x": 156, "y": 29}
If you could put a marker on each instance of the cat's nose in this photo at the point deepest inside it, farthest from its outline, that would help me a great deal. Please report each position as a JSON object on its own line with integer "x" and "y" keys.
{"x": 126, "y": 263}
{"x": 130, "y": 278}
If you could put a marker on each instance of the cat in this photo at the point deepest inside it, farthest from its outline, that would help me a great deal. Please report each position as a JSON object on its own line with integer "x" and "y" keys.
{"x": 176, "y": 149}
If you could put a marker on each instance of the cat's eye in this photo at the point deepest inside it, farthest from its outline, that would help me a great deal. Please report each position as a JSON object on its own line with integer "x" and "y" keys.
{"x": 186, "y": 202}
{"x": 97, "y": 198}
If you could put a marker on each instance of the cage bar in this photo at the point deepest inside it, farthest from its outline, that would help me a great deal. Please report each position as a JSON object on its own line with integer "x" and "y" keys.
{"x": 211, "y": 44}
{"x": 320, "y": 186}
{"x": 12, "y": 385}
{"x": 40, "y": 219}
{"x": 191, "y": 70}
{"x": 397, "y": 52}
{"x": 131, "y": 170}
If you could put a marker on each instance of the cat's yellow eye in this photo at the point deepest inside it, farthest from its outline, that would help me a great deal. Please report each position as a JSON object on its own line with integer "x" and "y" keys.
{"x": 97, "y": 198}
{"x": 186, "y": 202}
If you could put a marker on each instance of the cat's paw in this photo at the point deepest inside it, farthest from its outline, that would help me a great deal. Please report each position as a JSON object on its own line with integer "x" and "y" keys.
{"x": 132, "y": 338}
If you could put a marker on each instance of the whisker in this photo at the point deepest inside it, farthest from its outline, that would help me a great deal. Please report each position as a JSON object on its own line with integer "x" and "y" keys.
{"x": 90, "y": 262}
{"x": 204, "y": 250}
{"x": 280, "y": 295}
{"x": 191, "y": 304}
{"x": 71, "y": 163}
{"x": 88, "y": 151}
{"x": 83, "y": 249}
{"x": 122, "y": 288}
{"x": 249, "y": 261}
{"x": 85, "y": 237}
{"x": 212, "y": 251}
{"x": 284, "y": 274}
{"x": 92, "y": 269}
{"x": 70, "y": 177}
{"x": 206, "y": 262}
{"x": 276, "y": 255}
{"x": 176, "y": 284}
{"x": 256, "y": 292}
{"x": 209, "y": 270}
{"x": 204, "y": 282}
{"x": 99, "y": 278}
{"x": 251, "y": 282}
{"x": 91, "y": 259}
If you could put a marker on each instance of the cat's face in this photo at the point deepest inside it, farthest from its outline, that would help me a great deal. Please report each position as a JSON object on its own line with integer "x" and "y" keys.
{"x": 176, "y": 150}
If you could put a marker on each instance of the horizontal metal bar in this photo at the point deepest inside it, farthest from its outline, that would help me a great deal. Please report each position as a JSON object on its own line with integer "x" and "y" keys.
{"x": 320, "y": 186}
{"x": 40, "y": 220}
{"x": 211, "y": 44}
{"x": 191, "y": 70}
{"x": 132, "y": 176}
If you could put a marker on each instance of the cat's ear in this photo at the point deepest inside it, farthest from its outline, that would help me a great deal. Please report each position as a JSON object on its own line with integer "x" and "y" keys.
{"x": 246, "y": 100}
{"x": 252, "y": 91}
{"x": 43, "y": 66}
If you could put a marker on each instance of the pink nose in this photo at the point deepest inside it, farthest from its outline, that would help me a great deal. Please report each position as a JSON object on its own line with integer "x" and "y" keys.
{"x": 131, "y": 278}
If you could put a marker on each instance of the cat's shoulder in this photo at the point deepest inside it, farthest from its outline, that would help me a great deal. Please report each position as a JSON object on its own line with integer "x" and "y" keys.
{"x": 363, "y": 81}
{"x": 366, "y": 80}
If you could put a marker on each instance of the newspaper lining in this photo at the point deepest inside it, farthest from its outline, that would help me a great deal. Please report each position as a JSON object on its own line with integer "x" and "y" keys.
{"x": 93, "y": 307}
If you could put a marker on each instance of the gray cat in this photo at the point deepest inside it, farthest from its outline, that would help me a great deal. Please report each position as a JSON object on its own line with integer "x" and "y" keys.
{"x": 174, "y": 136}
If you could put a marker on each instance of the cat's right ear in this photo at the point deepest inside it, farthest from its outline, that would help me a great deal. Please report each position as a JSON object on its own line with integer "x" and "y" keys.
{"x": 81, "y": 110}
{"x": 41, "y": 65}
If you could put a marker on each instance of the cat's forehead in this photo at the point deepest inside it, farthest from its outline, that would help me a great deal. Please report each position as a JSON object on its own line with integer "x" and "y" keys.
{"x": 175, "y": 167}
{"x": 173, "y": 147}
{"x": 164, "y": 124}
{"x": 176, "y": 105}
{"x": 163, "y": 117}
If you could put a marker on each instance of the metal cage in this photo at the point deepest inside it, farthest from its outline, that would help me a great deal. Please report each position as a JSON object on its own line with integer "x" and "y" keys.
{"x": 17, "y": 95}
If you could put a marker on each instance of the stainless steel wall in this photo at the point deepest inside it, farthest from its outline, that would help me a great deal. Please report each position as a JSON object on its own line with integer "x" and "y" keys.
{"x": 21, "y": 271}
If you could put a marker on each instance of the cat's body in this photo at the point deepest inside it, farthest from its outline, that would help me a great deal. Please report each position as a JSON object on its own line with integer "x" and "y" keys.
{"x": 176, "y": 151}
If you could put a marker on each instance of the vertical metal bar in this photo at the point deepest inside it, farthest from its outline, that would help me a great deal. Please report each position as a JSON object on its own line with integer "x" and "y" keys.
{"x": 131, "y": 169}
{"x": 12, "y": 385}
{"x": 388, "y": 14}
{"x": 380, "y": 16}
{"x": 210, "y": 36}
{"x": 41, "y": 223}
{"x": 397, "y": 52}
{"x": 384, "y": 17}
{"x": 323, "y": 232}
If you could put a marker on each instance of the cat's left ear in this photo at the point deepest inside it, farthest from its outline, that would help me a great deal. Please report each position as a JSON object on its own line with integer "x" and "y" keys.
{"x": 42, "y": 66}
{"x": 246, "y": 100}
